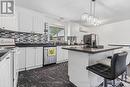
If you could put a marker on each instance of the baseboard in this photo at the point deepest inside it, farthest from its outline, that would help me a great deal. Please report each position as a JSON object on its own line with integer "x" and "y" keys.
{"x": 33, "y": 67}
{"x": 22, "y": 69}
{"x": 62, "y": 61}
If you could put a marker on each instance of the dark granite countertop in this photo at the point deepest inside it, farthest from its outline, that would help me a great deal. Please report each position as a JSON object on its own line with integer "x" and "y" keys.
{"x": 91, "y": 50}
{"x": 124, "y": 45}
{"x": 39, "y": 45}
{"x": 34, "y": 45}
{"x": 30, "y": 44}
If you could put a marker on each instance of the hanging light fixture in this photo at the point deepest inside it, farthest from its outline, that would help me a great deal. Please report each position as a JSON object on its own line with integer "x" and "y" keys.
{"x": 90, "y": 18}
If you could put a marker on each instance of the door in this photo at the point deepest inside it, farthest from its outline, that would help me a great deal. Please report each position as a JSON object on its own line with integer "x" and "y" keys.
{"x": 30, "y": 57}
{"x": 39, "y": 56}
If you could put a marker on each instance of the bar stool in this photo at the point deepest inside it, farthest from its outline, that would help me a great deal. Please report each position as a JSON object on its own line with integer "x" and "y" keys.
{"x": 117, "y": 68}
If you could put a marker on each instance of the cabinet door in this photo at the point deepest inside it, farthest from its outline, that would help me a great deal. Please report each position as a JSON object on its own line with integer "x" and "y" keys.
{"x": 30, "y": 57}
{"x": 10, "y": 23}
{"x": 62, "y": 55}
{"x": 59, "y": 54}
{"x": 65, "y": 54}
{"x": 38, "y": 24}
{"x": 25, "y": 22}
{"x": 16, "y": 56}
{"x": 39, "y": 56}
{"x": 22, "y": 59}
{"x": 5, "y": 73}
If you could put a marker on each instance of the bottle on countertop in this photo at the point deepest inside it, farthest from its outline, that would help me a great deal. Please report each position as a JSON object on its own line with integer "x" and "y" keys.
{"x": 81, "y": 42}
{"x": 69, "y": 42}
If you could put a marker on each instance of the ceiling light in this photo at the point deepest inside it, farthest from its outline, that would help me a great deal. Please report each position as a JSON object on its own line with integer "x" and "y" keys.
{"x": 90, "y": 18}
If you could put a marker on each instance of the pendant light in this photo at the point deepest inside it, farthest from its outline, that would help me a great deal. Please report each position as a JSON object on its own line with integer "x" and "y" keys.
{"x": 90, "y": 18}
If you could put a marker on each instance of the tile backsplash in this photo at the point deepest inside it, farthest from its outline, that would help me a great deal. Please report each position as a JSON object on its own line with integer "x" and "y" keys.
{"x": 23, "y": 37}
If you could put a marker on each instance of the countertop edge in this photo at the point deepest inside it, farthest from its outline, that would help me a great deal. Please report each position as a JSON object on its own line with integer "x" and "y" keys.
{"x": 92, "y": 52}
{"x": 126, "y": 45}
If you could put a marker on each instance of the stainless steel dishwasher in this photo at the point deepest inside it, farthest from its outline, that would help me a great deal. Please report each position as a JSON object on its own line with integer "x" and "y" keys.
{"x": 50, "y": 55}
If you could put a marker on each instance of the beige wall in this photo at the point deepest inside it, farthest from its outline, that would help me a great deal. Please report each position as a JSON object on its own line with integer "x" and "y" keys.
{"x": 116, "y": 33}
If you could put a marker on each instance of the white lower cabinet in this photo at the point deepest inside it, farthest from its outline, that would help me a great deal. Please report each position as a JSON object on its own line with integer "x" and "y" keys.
{"x": 62, "y": 55}
{"x": 65, "y": 54}
{"x": 39, "y": 56}
{"x": 5, "y": 73}
{"x": 22, "y": 59}
{"x": 59, "y": 54}
{"x": 30, "y": 57}
{"x": 16, "y": 56}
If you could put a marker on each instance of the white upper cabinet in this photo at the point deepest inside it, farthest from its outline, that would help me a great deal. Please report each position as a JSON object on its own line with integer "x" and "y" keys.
{"x": 30, "y": 21}
{"x": 9, "y": 22}
{"x": 38, "y": 24}
{"x": 25, "y": 22}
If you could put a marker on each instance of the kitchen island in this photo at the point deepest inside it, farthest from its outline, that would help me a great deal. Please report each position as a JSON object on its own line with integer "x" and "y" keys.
{"x": 80, "y": 57}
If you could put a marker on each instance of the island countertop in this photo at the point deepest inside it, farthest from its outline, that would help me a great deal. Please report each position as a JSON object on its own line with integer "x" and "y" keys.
{"x": 92, "y": 50}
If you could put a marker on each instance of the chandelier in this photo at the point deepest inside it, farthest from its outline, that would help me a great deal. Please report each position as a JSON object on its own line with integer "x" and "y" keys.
{"x": 90, "y": 18}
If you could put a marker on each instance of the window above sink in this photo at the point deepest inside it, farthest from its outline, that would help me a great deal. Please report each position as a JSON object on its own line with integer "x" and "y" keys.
{"x": 56, "y": 33}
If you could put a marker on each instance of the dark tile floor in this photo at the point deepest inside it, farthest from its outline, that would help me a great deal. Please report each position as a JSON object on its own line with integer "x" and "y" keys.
{"x": 49, "y": 76}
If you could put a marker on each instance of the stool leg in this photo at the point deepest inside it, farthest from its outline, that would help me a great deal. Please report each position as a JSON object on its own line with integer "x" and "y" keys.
{"x": 105, "y": 83}
{"x": 126, "y": 73}
{"x": 122, "y": 76}
{"x": 113, "y": 83}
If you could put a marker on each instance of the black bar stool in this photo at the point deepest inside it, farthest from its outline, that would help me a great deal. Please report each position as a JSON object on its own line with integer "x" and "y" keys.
{"x": 117, "y": 68}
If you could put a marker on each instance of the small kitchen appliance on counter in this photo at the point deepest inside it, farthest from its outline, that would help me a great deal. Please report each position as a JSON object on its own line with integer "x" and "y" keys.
{"x": 90, "y": 40}
{"x": 71, "y": 40}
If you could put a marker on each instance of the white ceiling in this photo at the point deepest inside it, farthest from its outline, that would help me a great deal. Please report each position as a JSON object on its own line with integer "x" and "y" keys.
{"x": 108, "y": 10}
